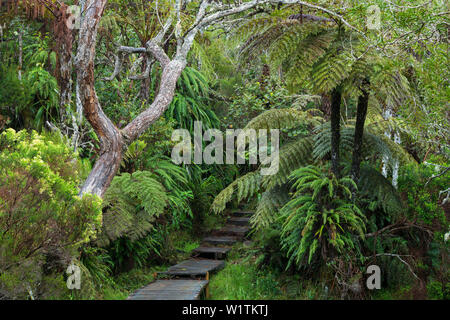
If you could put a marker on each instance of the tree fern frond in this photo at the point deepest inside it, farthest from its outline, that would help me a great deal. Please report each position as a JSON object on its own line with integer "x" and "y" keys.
{"x": 271, "y": 201}
{"x": 287, "y": 118}
{"x": 243, "y": 187}
{"x": 292, "y": 155}
{"x": 132, "y": 202}
{"x": 380, "y": 190}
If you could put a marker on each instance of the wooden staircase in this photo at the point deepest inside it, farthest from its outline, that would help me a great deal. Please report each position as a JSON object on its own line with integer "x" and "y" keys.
{"x": 188, "y": 279}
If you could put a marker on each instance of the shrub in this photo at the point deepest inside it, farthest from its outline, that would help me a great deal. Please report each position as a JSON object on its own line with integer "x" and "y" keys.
{"x": 42, "y": 218}
{"x": 422, "y": 192}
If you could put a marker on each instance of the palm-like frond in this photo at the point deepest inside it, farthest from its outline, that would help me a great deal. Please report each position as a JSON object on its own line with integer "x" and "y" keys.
{"x": 244, "y": 187}
{"x": 133, "y": 201}
{"x": 287, "y": 118}
{"x": 272, "y": 200}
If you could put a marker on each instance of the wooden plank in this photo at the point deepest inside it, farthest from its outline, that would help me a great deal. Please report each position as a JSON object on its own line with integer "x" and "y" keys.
{"x": 242, "y": 213}
{"x": 212, "y": 249}
{"x": 216, "y": 252}
{"x": 194, "y": 267}
{"x": 221, "y": 240}
{"x": 239, "y": 221}
{"x": 232, "y": 230}
{"x": 170, "y": 290}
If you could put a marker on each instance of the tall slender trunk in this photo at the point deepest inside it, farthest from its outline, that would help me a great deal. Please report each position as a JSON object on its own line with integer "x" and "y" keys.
{"x": 64, "y": 44}
{"x": 361, "y": 113}
{"x": 336, "y": 96}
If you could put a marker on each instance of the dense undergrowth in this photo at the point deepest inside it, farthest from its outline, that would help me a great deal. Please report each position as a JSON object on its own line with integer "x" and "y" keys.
{"x": 363, "y": 160}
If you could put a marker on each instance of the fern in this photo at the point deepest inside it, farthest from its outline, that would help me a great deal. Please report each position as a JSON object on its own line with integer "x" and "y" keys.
{"x": 244, "y": 187}
{"x": 292, "y": 155}
{"x": 133, "y": 201}
{"x": 380, "y": 192}
{"x": 319, "y": 216}
{"x": 269, "y": 204}
{"x": 287, "y": 118}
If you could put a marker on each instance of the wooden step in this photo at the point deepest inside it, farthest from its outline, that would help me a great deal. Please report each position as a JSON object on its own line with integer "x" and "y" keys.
{"x": 170, "y": 290}
{"x": 232, "y": 230}
{"x": 239, "y": 221}
{"x": 194, "y": 268}
{"x": 220, "y": 240}
{"x": 214, "y": 252}
{"x": 242, "y": 213}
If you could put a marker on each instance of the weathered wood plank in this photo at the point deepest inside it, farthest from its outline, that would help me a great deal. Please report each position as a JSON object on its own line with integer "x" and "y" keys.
{"x": 232, "y": 230}
{"x": 194, "y": 267}
{"x": 170, "y": 290}
{"x": 216, "y": 252}
{"x": 221, "y": 240}
{"x": 239, "y": 221}
{"x": 242, "y": 213}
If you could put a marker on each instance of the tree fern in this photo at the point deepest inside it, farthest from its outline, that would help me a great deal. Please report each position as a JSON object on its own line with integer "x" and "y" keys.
{"x": 379, "y": 190}
{"x": 244, "y": 187}
{"x": 271, "y": 201}
{"x": 132, "y": 201}
{"x": 287, "y": 118}
{"x": 319, "y": 216}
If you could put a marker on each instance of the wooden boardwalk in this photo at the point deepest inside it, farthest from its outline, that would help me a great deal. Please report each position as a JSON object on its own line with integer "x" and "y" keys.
{"x": 194, "y": 268}
{"x": 215, "y": 252}
{"x": 239, "y": 221}
{"x": 221, "y": 240}
{"x": 189, "y": 278}
{"x": 171, "y": 290}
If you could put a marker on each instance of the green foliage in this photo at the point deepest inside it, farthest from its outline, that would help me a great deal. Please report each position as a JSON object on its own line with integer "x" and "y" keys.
{"x": 30, "y": 100}
{"x": 133, "y": 202}
{"x": 191, "y": 101}
{"x": 44, "y": 90}
{"x": 437, "y": 291}
{"x": 254, "y": 98}
{"x": 40, "y": 211}
{"x": 245, "y": 187}
{"x": 379, "y": 192}
{"x": 243, "y": 281}
{"x": 320, "y": 217}
{"x": 421, "y": 192}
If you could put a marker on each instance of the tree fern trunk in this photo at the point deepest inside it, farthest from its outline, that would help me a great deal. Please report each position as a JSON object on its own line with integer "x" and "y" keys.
{"x": 361, "y": 114}
{"x": 336, "y": 96}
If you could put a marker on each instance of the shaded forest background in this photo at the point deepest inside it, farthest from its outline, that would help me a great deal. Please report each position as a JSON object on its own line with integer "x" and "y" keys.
{"x": 86, "y": 175}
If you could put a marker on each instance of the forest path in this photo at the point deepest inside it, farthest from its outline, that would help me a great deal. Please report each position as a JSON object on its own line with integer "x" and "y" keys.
{"x": 188, "y": 279}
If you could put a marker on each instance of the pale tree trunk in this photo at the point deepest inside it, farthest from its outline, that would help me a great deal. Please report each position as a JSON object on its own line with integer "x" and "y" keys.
{"x": 111, "y": 142}
{"x": 64, "y": 43}
{"x": 387, "y": 114}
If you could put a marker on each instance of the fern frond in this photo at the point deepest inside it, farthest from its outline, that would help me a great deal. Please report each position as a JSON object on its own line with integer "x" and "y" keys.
{"x": 272, "y": 200}
{"x": 380, "y": 191}
{"x": 287, "y": 118}
{"x": 243, "y": 187}
{"x": 292, "y": 155}
{"x": 132, "y": 201}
